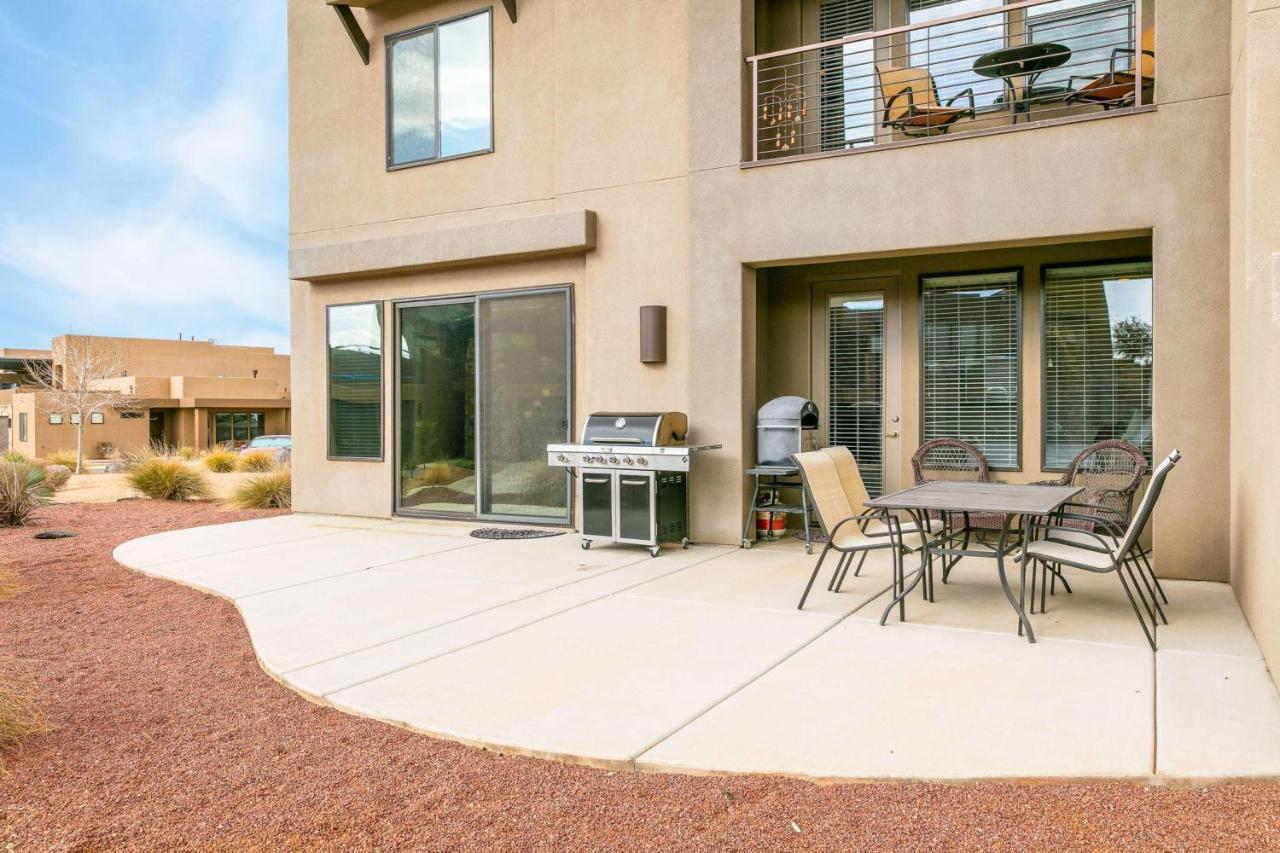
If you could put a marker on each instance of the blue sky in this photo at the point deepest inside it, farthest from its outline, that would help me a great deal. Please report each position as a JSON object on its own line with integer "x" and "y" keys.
{"x": 143, "y": 170}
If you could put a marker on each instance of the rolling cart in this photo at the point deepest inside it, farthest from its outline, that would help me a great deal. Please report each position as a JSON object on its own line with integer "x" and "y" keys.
{"x": 777, "y": 477}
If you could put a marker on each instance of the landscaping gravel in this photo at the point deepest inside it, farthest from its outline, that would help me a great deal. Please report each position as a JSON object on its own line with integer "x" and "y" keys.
{"x": 167, "y": 735}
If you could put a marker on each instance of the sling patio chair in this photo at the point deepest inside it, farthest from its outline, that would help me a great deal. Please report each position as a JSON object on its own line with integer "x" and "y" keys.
{"x": 1104, "y": 553}
{"x": 849, "y": 531}
{"x": 1118, "y": 88}
{"x": 1110, "y": 473}
{"x": 855, "y": 490}
{"x": 911, "y": 103}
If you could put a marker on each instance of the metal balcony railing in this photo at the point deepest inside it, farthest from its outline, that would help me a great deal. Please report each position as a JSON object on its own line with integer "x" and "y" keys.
{"x": 1023, "y": 63}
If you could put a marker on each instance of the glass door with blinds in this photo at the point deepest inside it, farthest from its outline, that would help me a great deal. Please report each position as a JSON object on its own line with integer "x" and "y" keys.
{"x": 855, "y": 370}
{"x": 483, "y": 386}
{"x": 848, "y": 82}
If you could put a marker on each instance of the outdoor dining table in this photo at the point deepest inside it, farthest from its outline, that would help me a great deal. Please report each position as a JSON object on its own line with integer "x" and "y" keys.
{"x": 948, "y": 499}
{"x": 1023, "y": 60}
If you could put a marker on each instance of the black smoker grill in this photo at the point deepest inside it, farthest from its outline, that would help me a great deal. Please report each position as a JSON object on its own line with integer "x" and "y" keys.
{"x": 633, "y": 477}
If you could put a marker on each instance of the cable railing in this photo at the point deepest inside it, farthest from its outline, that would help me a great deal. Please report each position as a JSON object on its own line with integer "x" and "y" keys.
{"x": 1022, "y": 63}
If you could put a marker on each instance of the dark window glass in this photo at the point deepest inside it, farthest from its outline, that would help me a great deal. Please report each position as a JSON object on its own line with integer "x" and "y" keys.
{"x": 970, "y": 363}
{"x": 355, "y": 381}
{"x": 1097, "y": 358}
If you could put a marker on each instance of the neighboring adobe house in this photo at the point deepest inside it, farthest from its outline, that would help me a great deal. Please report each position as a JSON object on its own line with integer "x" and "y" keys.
{"x": 183, "y": 392}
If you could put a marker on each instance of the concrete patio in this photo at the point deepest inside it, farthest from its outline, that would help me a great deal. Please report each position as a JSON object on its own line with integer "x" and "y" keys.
{"x": 698, "y": 661}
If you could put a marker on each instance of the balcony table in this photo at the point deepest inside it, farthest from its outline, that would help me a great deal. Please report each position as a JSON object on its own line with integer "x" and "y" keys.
{"x": 1023, "y": 60}
{"x": 961, "y": 498}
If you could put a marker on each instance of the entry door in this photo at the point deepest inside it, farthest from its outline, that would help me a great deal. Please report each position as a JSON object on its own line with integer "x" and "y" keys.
{"x": 483, "y": 387}
{"x": 856, "y": 375}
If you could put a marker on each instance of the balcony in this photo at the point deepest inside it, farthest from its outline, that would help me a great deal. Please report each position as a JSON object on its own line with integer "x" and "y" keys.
{"x": 952, "y": 71}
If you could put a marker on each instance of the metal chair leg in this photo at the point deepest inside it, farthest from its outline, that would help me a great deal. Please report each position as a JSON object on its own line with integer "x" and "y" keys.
{"x": 813, "y": 576}
{"x": 1146, "y": 562}
{"x": 1151, "y": 640}
{"x": 836, "y": 576}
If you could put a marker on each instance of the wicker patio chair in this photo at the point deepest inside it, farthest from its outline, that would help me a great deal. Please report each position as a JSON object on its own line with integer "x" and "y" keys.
{"x": 1110, "y": 473}
{"x": 848, "y": 530}
{"x": 1105, "y": 553}
{"x": 954, "y": 460}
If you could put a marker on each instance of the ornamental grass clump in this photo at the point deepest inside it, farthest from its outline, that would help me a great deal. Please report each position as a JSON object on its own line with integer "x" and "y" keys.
{"x": 220, "y": 460}
{"x": 19, "y": 716}
{"x": 186, "y": 453}
{"x": 161, "y": 479}
{"x": 273, "y": 490}
{"x": 257, "y": 460}
{"x": 13, "y": 456}
{"x": 65, "y": 458}
{"x": 23, "y": 490}
{"x": 57, "y": 476}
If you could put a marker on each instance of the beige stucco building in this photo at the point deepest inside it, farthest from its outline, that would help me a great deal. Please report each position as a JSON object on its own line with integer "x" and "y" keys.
{"x": 478, "y": 213}
{"x": 184, "y": 393}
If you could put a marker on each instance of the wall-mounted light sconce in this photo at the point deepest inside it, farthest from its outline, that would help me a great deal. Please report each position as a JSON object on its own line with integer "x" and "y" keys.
{"x": 653, "y": 334}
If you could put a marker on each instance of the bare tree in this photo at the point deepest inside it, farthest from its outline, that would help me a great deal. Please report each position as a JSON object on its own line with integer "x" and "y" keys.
{"x": 84, "y": 378}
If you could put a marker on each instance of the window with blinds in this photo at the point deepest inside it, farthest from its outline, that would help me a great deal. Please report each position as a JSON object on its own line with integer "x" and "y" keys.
{"x": 1092, "y": 30}
{"x": 1097, "y": 358}
{"x": 355, "y": 381}
{"x": 848, "y": 76}
{"x": 855, "y": 382}
{"x": 970, "y": 361}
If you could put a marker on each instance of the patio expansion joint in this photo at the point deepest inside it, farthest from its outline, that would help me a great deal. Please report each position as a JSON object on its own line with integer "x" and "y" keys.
{"x": 836, "y": 621}
{"x": 367, "y": 568}
{"x": 249, "y": 547}
{"x": 503, "y": 633}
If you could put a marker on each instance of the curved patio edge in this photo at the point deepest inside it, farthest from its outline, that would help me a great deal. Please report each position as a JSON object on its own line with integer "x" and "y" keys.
{"x": 692, "y": 666}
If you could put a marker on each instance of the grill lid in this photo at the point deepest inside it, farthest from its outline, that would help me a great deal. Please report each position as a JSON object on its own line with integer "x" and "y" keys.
{"x": 789, "y": 411}
{"x": 649, "y": 429}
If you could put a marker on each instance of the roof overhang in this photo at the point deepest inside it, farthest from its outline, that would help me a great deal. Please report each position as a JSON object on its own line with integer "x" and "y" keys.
{"x": 356, "y": 34}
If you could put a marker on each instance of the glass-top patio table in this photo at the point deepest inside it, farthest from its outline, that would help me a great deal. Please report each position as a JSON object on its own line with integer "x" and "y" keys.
{"x": 949, "y": 499}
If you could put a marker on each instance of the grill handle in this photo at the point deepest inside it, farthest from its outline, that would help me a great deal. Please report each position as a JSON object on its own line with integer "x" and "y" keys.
{"x": 595, "y": 479}
{"x": 611, "y": 440}
{"x": 626, "y": 482}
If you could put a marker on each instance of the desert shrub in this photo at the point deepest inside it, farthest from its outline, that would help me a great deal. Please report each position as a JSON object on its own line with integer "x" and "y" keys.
{"x": 186, "y": 453}
{"x": 19, "y": 716}
{"x": 135, "y": 457}
{"x": 14, "y": 456}
{"x": 23, "y": 490}
{"x": 163, "y": 479}
{"x": 57, "y": 476}
{"x": 65, "y": 458}
{"x": 220, "y": 460}
{"x": 272, "y": 490}
{"x": 257, "y": 460}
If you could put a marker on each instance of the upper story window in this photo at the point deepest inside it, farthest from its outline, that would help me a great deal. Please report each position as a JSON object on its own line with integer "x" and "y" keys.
{"x": 439, "y": 91}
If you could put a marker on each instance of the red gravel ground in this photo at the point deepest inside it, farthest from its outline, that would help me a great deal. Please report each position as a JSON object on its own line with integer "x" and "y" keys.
{"x": 166, "y": 735}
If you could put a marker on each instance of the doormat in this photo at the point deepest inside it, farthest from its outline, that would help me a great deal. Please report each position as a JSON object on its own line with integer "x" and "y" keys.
{"x": 513, "y": 533}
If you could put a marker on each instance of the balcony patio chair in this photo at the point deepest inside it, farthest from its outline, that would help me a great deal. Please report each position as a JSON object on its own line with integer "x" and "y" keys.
{"x": 1110, "y": 473}
{"x": 954, "y": 460}
{"x": 1116, "y": 88}
{"x": 1105, "y": 553}
{"x": 849, "y": 531}
{"x": 912, "y": 105}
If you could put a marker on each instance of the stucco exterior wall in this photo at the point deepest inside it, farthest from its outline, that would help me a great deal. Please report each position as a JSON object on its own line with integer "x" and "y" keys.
{"x": 1255, "y": 318}
{"x": 635, "y": 111}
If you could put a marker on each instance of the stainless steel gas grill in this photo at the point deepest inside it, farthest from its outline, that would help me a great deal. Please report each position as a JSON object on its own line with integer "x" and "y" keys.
{"x": 633, "y": 477}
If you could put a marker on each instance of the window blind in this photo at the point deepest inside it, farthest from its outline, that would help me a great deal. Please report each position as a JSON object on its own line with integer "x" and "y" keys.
{"x": 1097, "y": 358}
{"x": 855, "y": 382}
{"x": 970, "y": 362}
{"x": 847, "y": 80}
{"x": 1090, "y": 28}
{"x": 355, "y": 381}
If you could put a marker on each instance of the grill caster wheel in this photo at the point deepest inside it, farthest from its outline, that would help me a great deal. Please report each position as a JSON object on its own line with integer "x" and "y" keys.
{"x": 746, "y": 543}
{"x": 655, "y": 551}
{"x": 684, "y": 544}
{"x": 586, "y": 544}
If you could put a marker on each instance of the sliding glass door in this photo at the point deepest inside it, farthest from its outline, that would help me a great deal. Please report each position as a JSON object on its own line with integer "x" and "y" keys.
{"x": 483, "y": 389}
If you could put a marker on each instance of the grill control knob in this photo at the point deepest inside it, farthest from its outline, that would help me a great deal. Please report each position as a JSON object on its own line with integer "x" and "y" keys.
{"x": 562, "y": 458}
{"x": 613, "y": 460}
{"x": 627, "y": 460}
{"x": 640, "y": 460}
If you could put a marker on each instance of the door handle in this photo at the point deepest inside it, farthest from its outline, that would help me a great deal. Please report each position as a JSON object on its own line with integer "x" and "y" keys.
{"x": 595, "y": 479}
{"x": 644, "y": 482}
{"x": 891, "y": 434}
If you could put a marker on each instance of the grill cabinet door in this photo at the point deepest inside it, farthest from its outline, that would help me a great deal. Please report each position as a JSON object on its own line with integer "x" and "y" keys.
{"x": 635, "y": 508}
{"x": 597, "y": 505}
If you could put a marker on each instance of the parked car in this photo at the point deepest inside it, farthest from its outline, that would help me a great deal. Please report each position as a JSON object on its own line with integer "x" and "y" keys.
{"x": 280, "y": 446}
